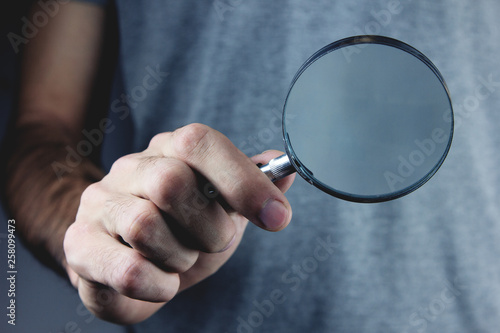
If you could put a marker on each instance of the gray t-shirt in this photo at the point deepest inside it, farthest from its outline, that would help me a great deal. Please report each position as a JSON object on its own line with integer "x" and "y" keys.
{"x": 427, "y": 262}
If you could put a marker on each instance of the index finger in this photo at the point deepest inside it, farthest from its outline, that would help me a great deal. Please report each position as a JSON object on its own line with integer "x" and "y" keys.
{"x": 243, "y": 186}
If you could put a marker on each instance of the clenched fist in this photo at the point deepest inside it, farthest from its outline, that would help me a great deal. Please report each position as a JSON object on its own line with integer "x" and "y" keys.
{"x": 167, "y": 218}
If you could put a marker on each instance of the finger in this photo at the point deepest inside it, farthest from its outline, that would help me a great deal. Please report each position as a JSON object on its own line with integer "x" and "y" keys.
{"x": 106, "y": 303}
{"x": 172, "y": 186}
{"x": 106, "y": 261}
{"x": 209, "y": 263}
{"x": 242, "y": 185}
{"x": 141, "y": 225}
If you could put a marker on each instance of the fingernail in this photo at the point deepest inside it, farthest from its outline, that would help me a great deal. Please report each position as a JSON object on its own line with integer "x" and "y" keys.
{"x": 273, "y": 214}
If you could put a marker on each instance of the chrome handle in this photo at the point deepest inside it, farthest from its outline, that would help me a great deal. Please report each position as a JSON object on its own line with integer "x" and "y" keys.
{"x": 278, "y": 168}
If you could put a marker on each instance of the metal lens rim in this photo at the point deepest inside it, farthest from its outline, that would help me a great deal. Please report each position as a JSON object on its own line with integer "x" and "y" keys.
{"x": 350, "y": 41}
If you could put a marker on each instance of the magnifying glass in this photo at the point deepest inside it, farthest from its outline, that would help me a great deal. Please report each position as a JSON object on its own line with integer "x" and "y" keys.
{"x": 366, "y": 119}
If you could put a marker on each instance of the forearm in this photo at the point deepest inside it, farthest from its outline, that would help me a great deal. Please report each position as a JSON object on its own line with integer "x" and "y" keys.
{"x": 58, "y": 72}
{"x": 42, "y": 190}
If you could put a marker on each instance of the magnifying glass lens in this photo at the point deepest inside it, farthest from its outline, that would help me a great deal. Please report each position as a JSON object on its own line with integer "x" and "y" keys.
{"x": 367, "y": 119}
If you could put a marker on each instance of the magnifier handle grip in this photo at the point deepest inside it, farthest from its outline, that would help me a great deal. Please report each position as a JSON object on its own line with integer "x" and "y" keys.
{"x": 278, "y": 168}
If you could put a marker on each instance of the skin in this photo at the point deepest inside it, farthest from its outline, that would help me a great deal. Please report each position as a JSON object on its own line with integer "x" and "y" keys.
{"x": 130, "y": 240}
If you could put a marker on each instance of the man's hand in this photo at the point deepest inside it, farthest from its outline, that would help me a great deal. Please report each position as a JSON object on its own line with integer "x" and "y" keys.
{"x": 167, "y": 218}
{"x": 152, "y": 226}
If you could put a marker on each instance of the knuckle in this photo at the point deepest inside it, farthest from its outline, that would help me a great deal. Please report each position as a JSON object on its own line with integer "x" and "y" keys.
{"x": 69, "y": 242}
{"x": 127, "y": 277}
{"x": 183, "y": 263}
{"x": 191, "y": 140}
{"x": 97, "y": 299}
{"x": 75, "y": 254}
{"x": 91, "y": 203}
{"x": 124, "y": 163}
{"x": 159, "y": 140}
{"x": 92, "y": 192}
{"x": 172, "y": 179}
{"x": 143, "y": 219}
{"x": 218, "y": 243}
